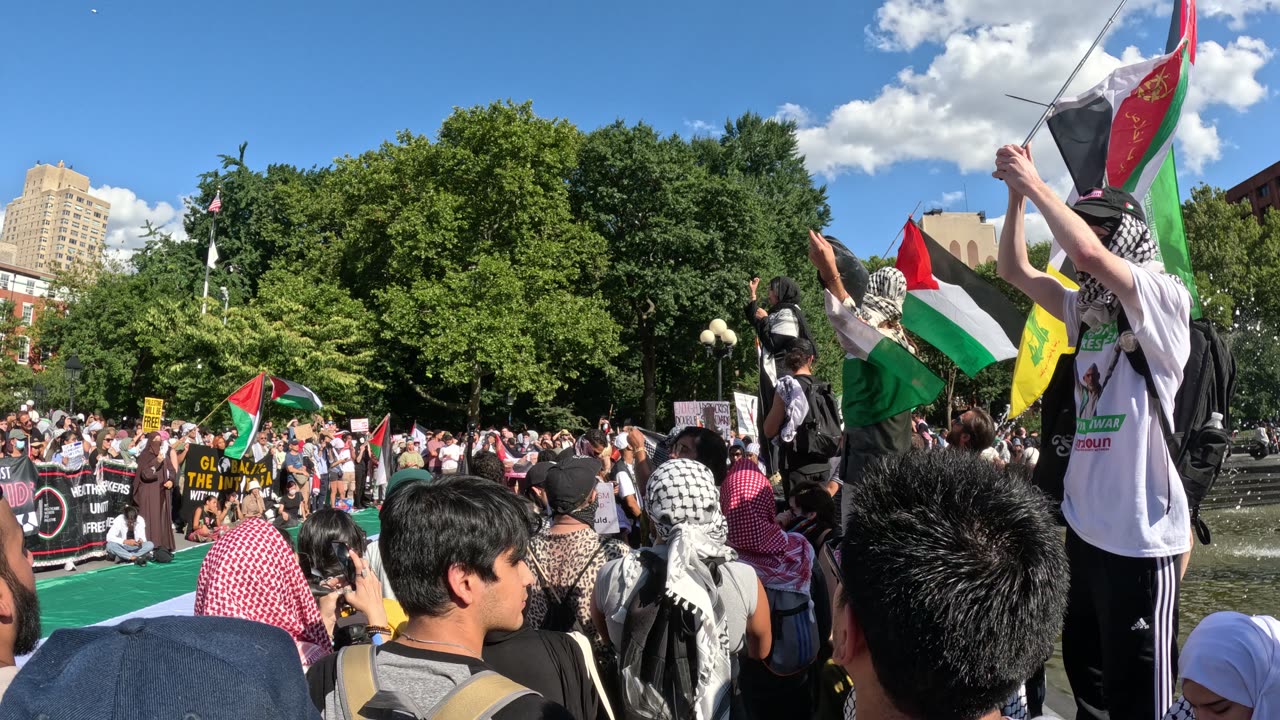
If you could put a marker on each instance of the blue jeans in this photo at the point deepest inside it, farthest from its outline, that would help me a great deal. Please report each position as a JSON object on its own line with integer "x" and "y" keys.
{"x": 125, "y": 552}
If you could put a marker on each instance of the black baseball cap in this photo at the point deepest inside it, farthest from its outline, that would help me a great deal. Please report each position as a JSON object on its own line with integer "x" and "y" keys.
{"x": 1108, "y": 203}
{"x": 570, "y": 482}
{"x": 537, "y": 475}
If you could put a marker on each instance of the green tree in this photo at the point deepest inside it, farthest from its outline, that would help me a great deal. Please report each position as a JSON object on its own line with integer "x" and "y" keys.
{"x": 1235, "y": 258}
{"x": 1257, "y": 395}
{"x": 15, "y": 377}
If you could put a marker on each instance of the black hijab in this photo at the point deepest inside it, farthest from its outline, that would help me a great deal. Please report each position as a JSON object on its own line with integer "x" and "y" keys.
{"x": 788, "y": 293}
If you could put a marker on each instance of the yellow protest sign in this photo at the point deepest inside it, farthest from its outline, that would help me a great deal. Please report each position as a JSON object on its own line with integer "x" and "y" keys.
{"x": 152, "y": 414}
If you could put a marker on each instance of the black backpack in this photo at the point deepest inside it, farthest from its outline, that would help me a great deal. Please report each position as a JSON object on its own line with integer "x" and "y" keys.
{"x": 659, "y": 658}
{"x": 818, "y": 437}
{"x": 1198, "y": 449}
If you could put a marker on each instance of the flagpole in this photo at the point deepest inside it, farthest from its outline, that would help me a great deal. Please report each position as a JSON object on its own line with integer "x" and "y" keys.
{"x": 204, "y": 303}
{"x": 901, "y": 230}
{"x": 211, "y": 412}
{"x": 1096, "y": 41}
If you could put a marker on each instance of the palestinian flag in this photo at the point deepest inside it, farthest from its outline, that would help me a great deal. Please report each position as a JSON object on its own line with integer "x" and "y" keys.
{"x": 881, "y": 377}
{"x": 291, "y": 394}
{"x": 246, "y": 413}
{"x": 952, "y": 308}
{"x": 380, "y": 446}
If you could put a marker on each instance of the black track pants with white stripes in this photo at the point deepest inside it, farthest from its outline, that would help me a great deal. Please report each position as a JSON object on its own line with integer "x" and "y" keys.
{"x": 1120, "y": 640}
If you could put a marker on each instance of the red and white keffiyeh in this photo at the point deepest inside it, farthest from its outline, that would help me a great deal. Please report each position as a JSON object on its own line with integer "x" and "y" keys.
{"x": 782, "y": 560}
{"x": 250, "y": 573}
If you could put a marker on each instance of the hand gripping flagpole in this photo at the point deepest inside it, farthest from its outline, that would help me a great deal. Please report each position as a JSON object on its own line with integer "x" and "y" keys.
{"x": 1096, "y": 41}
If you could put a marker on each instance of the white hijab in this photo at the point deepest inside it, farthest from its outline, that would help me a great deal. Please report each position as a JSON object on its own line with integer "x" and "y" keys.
{"x": 1238, "y": 657}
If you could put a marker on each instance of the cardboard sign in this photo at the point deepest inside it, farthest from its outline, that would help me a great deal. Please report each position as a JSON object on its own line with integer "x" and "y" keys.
{"x": 606, "y": 510}
{"x": 152, "y": 414}
{"x": 303, "y": 432}
{"x": 359, "y": 425}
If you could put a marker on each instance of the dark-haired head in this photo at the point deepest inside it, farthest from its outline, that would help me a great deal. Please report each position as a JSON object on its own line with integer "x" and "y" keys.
{"x": 943, "y": 552}
{"x": 812, "y": 499}
{"x": 438, "y": 535}
{"x": 800, "y": 355}
{"x": 706, "y": 447}
{"x": 315, "y": 543}
{"x": 783, "y": 291}
{"x": 486, "y": 464}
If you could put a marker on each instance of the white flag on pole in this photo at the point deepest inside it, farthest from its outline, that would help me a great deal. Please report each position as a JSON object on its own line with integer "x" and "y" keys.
{"x": 213, "y": 254}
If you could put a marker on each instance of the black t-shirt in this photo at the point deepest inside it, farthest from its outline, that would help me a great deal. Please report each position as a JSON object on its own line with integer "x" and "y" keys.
{"x": 291, "y": 504}
{"x": 322, "y": 678}
{"x": 549, "y": 662}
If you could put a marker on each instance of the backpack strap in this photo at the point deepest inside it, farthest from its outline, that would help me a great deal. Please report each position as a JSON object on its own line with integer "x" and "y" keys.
{"x": 484, "y": 694}
{"x": 589, "y": 660}
{"x": 1138, "y": 361}
{"x": 357, "y": 679}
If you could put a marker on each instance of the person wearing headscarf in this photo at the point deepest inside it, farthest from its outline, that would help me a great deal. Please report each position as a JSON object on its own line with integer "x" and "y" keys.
{"x": 778, "y": 329}
{"x": 782, "y": 561}
{"x": 702, "y": 573}
{"x": 251, "y": 573}
{"x": 151, "y": 493}
{"x": 1230, "y": 669}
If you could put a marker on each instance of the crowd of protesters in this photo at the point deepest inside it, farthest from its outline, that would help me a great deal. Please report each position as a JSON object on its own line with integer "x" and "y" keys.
{"x": 901, "y": 573}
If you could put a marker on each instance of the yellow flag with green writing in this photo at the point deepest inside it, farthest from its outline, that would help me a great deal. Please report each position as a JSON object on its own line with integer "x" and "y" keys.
{"x": 1044, "y": 339}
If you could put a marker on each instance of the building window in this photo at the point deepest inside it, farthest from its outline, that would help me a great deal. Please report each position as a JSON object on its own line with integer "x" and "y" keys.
{"x": 24, "y": 350}
{"x": 28, "y": 313}
{"x": 1264, "y": 191}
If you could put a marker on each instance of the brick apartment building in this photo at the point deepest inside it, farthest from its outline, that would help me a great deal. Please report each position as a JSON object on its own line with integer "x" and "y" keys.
{"x": 1262, "y": 191}
{"x": 28, "y": 290}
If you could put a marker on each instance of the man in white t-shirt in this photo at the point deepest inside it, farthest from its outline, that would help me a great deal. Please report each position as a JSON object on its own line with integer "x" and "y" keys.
{"x": 450, "y": 455}
{"x": 1127, "y": 516}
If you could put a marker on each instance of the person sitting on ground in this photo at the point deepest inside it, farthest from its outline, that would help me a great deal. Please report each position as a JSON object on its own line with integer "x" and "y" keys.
{"x": 683, "y": 507}
{"x": 206, "y": 521}
{"x": 567, "y": 558}
{"x": 19, "y": 606}
{"x": 251, "y": 573}
{"x": 454, "y": 549}
{"x": 944, "y": 552}
{"x": 163, "y": 667}
{"x": 1230, "y": 669}
{"x": 704, "y": 446}
{"x": 253, "y": 505}
{"x": 127, "y": 538}
{"x": 293, "y": 506}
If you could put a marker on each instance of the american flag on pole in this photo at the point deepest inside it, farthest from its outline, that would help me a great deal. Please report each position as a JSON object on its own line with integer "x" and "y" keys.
{"x": 216, "y": 205}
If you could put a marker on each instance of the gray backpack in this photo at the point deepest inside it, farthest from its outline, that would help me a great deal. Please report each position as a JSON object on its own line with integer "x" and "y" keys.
{"x": 795, "y": 632}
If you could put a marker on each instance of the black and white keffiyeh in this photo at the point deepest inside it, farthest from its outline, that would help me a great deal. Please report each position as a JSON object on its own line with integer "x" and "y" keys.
{"x": 1132, "y": 241}
{"x": 886, "y": 291}
{"x": 683, "y": 504}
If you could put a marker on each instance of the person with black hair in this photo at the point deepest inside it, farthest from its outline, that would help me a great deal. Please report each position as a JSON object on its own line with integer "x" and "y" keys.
{"x": 127, "y": 538}
{"x": 777, "y": 330}
{"x": 974, "y": 431}
{"x": 1128, "y": 518}
{"x": 953, "y": 588}
{"x": 705, "y": 447}
{"x": 784, "y": 423}
{"x": 455, "y": 551}
{"x": 19, "y": 606}
{"x": 811, "y": 512}
{"x": 487, "y": 465}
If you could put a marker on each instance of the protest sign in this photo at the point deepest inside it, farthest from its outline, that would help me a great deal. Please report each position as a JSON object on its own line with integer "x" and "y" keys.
{"x": 201, "y": 476}
{"x": 152, "y": 414}
{"x": 239, "y": 473}
{"x": 73, "y": 454}
{"x": 748, "y": 407}
{"x": 303, "y": 432}
{"x": 704, "y": 413}
{"x": 360, "y": 425}
{"x": 74, "y": 510}
{"x": 18, "y": 478}
{"x": 606, "y": 522}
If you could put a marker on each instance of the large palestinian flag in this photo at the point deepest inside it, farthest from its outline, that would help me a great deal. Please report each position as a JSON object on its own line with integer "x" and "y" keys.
{"x": 246, "y": 414}
{"x": 952, "y": 308}
{"x": 294, "y": 395}
{"x": 380, "y": 447}
{"x": 887, "y": 378}
{"x": 1119, "y": 133}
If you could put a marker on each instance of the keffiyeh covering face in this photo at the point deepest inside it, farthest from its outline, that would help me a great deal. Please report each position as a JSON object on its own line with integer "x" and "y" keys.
{"x": 784, "y": 561}
{"x": 250, "y": 573}
{"x": 684, "y": 506}
{"x": 1238, "y": 657}
{"x": 886, "y": 291}
{"x": 1130, "y": 240}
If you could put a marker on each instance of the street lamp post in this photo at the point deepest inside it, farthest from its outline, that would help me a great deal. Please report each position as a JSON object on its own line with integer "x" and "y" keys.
{"x": 511, "y": 401}
{"x": 226, "y": 302}
{"x": 41, "y": 394}
{"x": 719, "y": 340}
{"x": 73, "y": 368}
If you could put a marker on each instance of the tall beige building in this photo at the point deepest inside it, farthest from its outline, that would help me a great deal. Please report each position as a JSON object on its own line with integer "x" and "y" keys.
{"x": 967, "y": 235}
{"x": 55, "y": 222}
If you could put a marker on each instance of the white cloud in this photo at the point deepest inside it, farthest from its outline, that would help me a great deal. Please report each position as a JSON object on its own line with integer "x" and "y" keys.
{"x": 792, "y": 111}
{"x": 1035, "y": 227}
{"x": 954, "y": 109}
{"x": 129, "y": 214}
{"x": 1237, "y": 11}
{"x": 701, "y": 127}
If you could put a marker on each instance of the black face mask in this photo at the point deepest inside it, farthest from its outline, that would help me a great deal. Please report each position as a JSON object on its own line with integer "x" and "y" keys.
{"x": 586, "y": 514}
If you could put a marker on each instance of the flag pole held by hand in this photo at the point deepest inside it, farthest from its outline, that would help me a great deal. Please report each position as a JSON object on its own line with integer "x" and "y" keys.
{"x": 1096, "y": 41}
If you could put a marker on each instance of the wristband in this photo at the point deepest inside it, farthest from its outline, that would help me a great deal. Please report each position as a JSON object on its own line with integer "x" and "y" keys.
{"x": 376, "y": 639}
{"x": 380, "y": 629}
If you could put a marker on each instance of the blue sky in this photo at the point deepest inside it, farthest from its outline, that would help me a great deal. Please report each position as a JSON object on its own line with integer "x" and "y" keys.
{"x": 900, "y": 99}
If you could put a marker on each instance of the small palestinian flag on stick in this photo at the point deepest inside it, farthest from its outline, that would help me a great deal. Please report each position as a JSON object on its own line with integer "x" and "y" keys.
{"x": 380, "y": 446}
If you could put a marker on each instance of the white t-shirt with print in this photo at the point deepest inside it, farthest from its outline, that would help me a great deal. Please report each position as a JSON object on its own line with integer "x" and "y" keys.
{"x": 449, "y": 457}
{"x": 1122, "y": 493}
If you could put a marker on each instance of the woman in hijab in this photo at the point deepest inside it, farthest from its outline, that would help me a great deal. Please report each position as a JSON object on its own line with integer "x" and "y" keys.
{"x": 782, "y": 561}
{"x": 251, "y": 573}
{"x": 777, "y": 329}
{"x": 151, "y": 488}
{"x": 1230, "y": 669}
{"x": 703, "y": 574}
